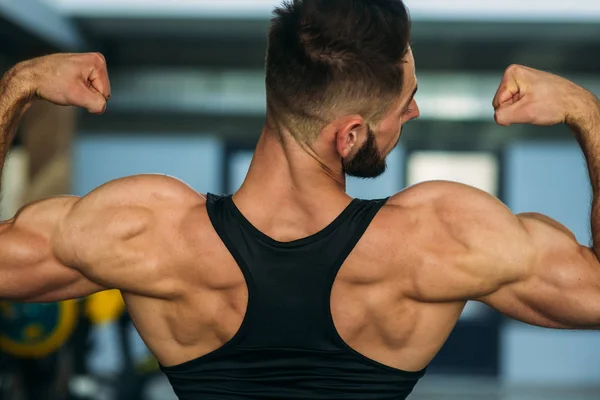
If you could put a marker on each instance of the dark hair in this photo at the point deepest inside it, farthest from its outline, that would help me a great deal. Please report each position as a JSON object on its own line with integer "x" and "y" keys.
{"x": 329, "y": 57}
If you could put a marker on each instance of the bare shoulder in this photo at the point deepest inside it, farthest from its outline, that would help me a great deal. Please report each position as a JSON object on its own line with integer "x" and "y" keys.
{"x": 138, "y": 221}
{"x": 135, "y": 206}
{"x": 151, "y": 206}
{"x": 442, "y": 193}
{"x": 470, "y": 215}
{"x": 458, "y": 228}
{"x": 145, "y": 190}
{"x": 457, "y": 205}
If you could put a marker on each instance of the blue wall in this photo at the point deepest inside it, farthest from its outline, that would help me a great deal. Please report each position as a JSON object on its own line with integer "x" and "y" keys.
{"x": 197, "y": 160}
{"x": 386, "y": 185}
{"x": 550, "y": 178}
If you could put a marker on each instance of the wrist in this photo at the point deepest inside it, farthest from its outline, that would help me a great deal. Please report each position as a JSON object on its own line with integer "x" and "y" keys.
{"x": 585, "y": 113}
{"x": 18, "y": 82}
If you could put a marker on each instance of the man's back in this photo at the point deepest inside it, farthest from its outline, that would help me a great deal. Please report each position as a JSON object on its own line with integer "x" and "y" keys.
{"x": 370, "y": 302}
{"x": 395, "y": 299}
{"x": 288, "y": 346}
{"x": 370, "y": 306}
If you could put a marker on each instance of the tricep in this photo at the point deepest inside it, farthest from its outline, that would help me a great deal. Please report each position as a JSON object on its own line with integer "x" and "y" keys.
{"x": 29, "y": 268}
{"x": 561, "y": 289}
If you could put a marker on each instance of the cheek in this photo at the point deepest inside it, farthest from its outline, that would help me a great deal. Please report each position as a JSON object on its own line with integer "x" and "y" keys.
{"x": 397, "y": 129}
{"x": 392, "y": 136}
{"x": 392, "y": 128}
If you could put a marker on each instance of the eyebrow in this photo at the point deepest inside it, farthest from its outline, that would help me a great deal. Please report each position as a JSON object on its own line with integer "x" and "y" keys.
{"x": 414, "y": 94}
{"x": 411, "y": 98}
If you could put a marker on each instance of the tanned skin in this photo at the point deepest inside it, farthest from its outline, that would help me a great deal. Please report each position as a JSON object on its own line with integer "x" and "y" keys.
{"x": 432, "y": 247}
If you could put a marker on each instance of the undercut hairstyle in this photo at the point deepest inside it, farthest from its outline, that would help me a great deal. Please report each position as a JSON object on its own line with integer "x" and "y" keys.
{"x": 330, "y": 58}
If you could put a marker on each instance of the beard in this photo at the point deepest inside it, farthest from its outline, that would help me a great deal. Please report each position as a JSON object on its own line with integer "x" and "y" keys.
{"x": 368, "y": 161}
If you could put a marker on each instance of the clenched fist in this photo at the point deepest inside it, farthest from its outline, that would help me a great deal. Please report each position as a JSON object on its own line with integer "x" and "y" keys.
{"x": 529, "y": 96}
{"x": 79, "y": 80}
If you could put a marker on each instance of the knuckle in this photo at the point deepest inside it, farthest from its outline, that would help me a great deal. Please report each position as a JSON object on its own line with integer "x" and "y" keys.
{"x": 101, "y": 108}
{"x": 99, "y": 59}
{"x": 514, "y": 68}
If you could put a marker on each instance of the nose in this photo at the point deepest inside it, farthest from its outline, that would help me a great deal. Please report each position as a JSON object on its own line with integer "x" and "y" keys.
{"x": 417, "y": 111}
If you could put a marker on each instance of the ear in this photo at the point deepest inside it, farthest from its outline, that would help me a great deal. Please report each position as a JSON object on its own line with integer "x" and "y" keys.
{"x": 351, "y": 132}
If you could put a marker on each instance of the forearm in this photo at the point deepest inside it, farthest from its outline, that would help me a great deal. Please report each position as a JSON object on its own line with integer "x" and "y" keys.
{"x": 15, "y": 98}
{"x": 586, "y": 127}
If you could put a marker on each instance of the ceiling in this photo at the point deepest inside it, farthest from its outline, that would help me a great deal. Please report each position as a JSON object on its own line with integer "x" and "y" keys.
{"x": 449, "y": 39}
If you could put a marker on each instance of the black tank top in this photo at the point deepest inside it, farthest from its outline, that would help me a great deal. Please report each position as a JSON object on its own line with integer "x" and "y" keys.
{"x": 287, "y": 347}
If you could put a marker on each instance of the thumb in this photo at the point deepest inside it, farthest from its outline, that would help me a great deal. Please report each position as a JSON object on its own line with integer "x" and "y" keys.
{"x": 509, "y": 114}
{"x": 90, "y": 99}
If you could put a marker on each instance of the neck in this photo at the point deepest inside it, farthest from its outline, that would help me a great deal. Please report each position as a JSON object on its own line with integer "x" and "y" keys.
{"x": 282, "y": 170}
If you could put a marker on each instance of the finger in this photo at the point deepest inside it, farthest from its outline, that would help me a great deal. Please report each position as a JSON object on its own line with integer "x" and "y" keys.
{"x": 98, "y": 78}
{"x": 99, "y": 81}
{"x": 507, "y": 91}
{"x": 502, "y": 96}
{"x": 511, "y": 114}
{"x": 90, "y": 99}
{"x": 509, "y": 88}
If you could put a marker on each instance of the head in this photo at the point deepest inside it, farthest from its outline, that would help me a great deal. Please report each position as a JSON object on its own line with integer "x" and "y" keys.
{"x": 342, "y": 72}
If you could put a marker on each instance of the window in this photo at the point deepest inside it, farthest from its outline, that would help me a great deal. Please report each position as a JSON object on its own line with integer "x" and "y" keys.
{"x": 480, "y": 170}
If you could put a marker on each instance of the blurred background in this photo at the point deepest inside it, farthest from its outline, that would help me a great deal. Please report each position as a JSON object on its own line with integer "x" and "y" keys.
{"x": 189, "y": 101}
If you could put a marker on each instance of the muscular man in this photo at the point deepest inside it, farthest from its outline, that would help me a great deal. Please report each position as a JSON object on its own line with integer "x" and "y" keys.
{"x": 290, "y": 289}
